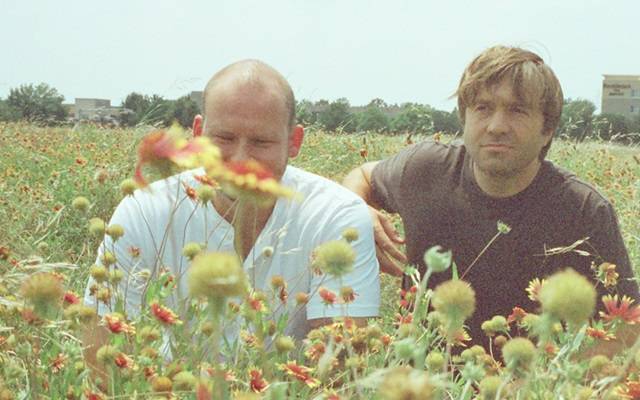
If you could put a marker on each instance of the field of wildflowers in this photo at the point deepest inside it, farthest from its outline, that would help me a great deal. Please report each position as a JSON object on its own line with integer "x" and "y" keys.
{"x": 59, "y": 185}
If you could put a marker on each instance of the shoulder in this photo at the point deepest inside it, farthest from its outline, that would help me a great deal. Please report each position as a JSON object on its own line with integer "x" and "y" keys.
{"x": 577, "y": 193}
{"x": 317, "y": 190}
{"x": 431, "y": 154}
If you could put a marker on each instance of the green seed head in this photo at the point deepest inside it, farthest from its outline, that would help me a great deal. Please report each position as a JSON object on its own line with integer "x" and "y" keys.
{"x": 350, "y": 234}
{"x": 568, "y": 296}
{"x": 80, "y": 203}
{"x": 128, "y": 186}
{"x": 115, "y": 231}
{"x": 436, "y": 260}
{"x": 216, "y": 275}
{"x": 489, "y": 387}
{"x": 518, "y": 353}
{"x": 455, "y": 300}
{"x": 335, "y": 258}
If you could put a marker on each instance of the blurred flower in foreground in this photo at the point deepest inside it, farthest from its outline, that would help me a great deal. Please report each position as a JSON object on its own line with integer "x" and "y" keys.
{"x": 404, "y": 382}
{"x": 620, "y": 309}
{"x": 164, "y": 315}
{"x": 249, "y": 179}
{"x": 216, "y": 274}
{"x": 44, "y": 290}
{"x": 300, "y": 372}
{"x": 568, "y": 296}
{"x": 163, "y": 150}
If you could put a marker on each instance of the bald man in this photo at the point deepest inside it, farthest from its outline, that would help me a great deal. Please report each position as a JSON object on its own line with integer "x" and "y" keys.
{"x": 249, "y": 114}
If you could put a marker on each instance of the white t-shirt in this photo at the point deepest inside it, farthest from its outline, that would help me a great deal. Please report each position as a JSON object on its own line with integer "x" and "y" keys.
{"x": 160, "y": 221}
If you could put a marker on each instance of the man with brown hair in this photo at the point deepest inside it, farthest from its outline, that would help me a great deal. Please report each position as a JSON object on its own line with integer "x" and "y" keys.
{"x": 453, "y": 195}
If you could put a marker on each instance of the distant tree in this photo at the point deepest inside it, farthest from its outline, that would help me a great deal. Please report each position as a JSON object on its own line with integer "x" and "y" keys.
{"x": 611, "y": 126}
{"x": 414, "y": 118}
{"x": 143, "y": 109}
{"x": 6, "y": 113}
{"x": 181, "y": 110}
{"x": 41, "y": 103}
{"x": 576, "y": 121}
{"x": 337, "y": 115}
{"x": 447, "y": 122}
{"x": 378, "y": 102}
{"x": 305, "y": 114}
{"x": 373, "y": 118}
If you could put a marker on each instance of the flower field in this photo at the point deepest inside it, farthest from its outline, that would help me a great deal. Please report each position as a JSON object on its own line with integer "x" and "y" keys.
{"x": 58, "y": 186}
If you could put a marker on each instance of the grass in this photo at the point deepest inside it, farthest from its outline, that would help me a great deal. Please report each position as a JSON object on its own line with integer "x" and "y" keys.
{"x": 42, "y": 170}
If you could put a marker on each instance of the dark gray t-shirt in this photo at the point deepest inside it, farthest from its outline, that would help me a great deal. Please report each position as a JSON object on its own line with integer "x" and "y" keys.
{"x": 431, "y": 186}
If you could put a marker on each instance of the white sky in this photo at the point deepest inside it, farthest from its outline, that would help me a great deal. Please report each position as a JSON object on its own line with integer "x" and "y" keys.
{"x": 397, "y": 50}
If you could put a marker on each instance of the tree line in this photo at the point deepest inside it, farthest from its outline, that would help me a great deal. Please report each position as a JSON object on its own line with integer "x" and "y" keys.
{"x": 44, "y": 104}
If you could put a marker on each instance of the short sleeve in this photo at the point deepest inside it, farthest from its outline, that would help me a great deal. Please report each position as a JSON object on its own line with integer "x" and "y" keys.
{"x": 365, "y": 277}
{"x": 387, "y": 179}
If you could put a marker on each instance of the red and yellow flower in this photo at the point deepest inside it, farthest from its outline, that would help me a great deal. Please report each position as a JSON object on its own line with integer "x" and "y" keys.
{"x": 164, "y": 314}
{"x": 299, "y": 372}
{"x": 621, "y": 309}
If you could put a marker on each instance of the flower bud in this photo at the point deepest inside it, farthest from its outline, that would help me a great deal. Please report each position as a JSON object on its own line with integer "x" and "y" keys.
{"x": 184, "y": 381}
{"x": 489, "y": 387}
{"x": 435, "y": 361}
{"x": 284, "y": 344}
{"x": 335, "y": 258}
{"x": 115, "y": 231}
{"x": 80, "y": 203}
{"x": 191, "y": 249}
{"x": 217, "y": 275}
{"x": 97, "y": 226}
{"x": 128, "y": 186}
{"x": 436, "y": 260}
{"x": 518, "y": 353}
{"x": 205, "y": 193}
{"x": 350, "y": 235}
{"x": 161, "y": 384}
{"x": 568, "y": 296}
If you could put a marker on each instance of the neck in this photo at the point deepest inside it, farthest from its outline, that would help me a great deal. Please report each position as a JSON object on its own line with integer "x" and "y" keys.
{"x": 505, "y": 185}
{"x": 247, "y": 217}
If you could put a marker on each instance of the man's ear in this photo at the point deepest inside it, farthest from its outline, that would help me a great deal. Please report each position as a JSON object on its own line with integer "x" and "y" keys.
{"x": 295, "y": 140}
{"x": 197, "y": 125}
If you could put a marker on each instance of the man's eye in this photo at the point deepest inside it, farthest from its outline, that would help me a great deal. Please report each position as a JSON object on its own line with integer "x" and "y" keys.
{"x": 261, "y": 142}
{"x": 519, "y": 110}
{"x": 224, "y": 139}
{"x": 481, "y": 107}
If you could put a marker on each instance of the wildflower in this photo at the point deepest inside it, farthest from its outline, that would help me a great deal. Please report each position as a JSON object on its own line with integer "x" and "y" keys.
{"x": 299, "y": 372}
{"x": 277, "y": 281}
{"x": 435, "y": 361}
{"x": 191, "y": 249}
{"x": 489, "y": 387}
{"x": 598, "y": 363}
{"x": 184, "y": 381}
{"x": 104, "y": 295}
{"x": 164, "y": 315}
{"x": 406, "y": 383}
{"x": 350, "y": 235}
{"x": 533, "y": 289}
{"x": 496, "y": 324}
{"x": 437, "y": 260}
{"x": 622, "y": 310}
{"x": 59, "y": 362}
{"x": 517, "y": 314}
{"x": 204, "y": 193}
{"x": 249, "y": 179}
{"x": 216, "y": 275}
{"x": 284, "y": 344}
{"x": 115, "y": 231}
{"x": 115, "y": 276}
{"x": 328, "y": 297}
{"x": 163, "y": 150}
{"x": 190, "y": 192}
{"x": 607, "y": 274}
{"x": 116, "y": 324}
{"x": 97, "y": 226}
{"x": 455, "y": 300}
{"x": 44, "y": 290}
{"x": 600, "y": 334}
{"x": 128, "y": 187}
{"x": 149, "y": 334}
{"x": 70, "y": 298}
{"x": 302, "y": 298}
{"x": 108, "y": 258}
{"x": 80, "y": 203}
{"x": 256, "y": 382}
{"x": 107, "y": 354}
{"x": 335, "y": 258}
{"x": 161, "y": 384}
{"x": 568, "y": 296}
{"x": 267, "y": 251}
{"x": 123, "y": 361}
{"x": 518, "y": 353}
{"x": 134, "y": 251}
{"x": 347, "y": 294}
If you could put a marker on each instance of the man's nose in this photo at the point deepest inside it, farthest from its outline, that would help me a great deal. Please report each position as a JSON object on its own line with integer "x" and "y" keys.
{"x": 498, "y": 122}
{"x": 240, "y": 153}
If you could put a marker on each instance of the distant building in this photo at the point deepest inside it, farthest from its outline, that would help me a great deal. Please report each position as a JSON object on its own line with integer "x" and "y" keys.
{"x": 621, "y": 95}
{"x": 97, "y": 110}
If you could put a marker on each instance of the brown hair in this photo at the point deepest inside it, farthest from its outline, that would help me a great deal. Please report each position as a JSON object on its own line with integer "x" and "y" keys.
{"x": 260, "y": 73}
{"x": 533, "y": 82}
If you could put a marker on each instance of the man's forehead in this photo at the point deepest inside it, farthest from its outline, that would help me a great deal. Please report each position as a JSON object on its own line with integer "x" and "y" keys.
{"x": 504, "y": 91}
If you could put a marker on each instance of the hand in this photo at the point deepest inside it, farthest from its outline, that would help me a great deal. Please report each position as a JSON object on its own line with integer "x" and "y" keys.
{"x": 388, "y": 243}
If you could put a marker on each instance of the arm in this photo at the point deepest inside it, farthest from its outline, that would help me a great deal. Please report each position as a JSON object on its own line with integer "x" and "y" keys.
{"x": 387, "y": 239}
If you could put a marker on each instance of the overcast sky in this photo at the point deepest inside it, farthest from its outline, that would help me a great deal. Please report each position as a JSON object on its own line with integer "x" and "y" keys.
{"x": 397, "y": 50}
